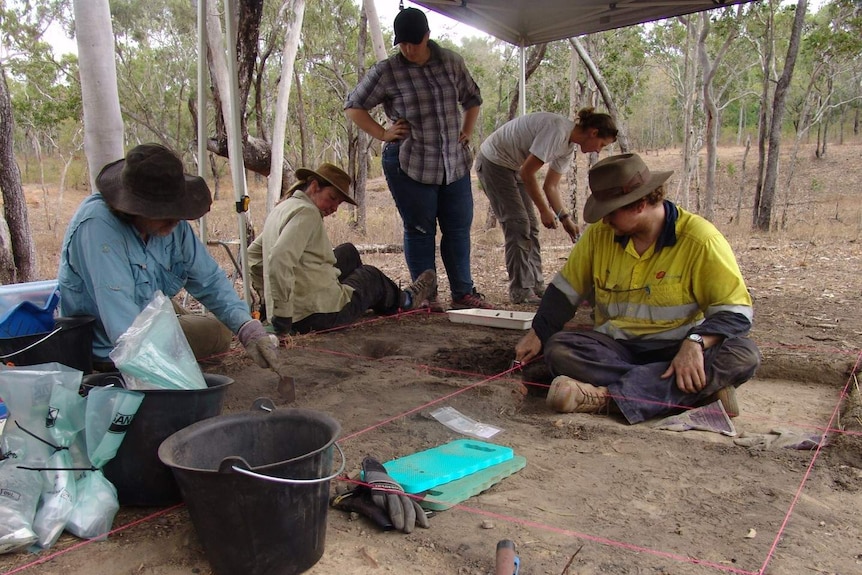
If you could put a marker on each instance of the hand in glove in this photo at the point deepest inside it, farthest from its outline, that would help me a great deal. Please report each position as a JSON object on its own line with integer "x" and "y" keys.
{"x": 261, "y": 346}
{"x": 403, "y": 511}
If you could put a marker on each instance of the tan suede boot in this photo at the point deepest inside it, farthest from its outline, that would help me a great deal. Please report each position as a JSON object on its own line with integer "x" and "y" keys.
{"x": 568, "y": 395}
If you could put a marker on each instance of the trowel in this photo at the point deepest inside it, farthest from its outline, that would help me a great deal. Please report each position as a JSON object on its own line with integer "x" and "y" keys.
{"x": 286, "y": 385}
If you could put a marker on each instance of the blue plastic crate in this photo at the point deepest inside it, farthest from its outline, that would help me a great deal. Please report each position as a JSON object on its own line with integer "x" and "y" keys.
{"x": 34, "y": 310}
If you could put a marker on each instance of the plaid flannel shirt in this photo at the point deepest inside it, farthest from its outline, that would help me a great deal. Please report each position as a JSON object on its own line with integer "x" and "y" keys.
{"x": 428, "y": 97}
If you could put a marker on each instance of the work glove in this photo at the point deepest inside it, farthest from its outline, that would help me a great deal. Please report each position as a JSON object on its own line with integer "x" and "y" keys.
{"x": 779, "y": 437}
{"x": 282, "y": 325}
{"x": 387, "y": 494}
{"x": 261, "y": 346}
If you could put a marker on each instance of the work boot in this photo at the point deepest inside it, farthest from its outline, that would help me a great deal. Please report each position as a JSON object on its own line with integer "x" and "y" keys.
{"x": 727, "y": 397}
{"x": 569, "y": 395}
{"x": 422, "y": 289}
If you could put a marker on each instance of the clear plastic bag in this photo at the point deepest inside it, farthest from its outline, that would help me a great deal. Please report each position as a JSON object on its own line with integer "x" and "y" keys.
{"x": 29, "y": 445}
{"x": 59, "y": 493}
{"x": 110, "y": 411}
{"x": 154, "y": 353}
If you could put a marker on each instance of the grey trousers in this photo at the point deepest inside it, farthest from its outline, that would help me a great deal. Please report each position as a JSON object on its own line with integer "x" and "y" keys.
{"x": 631, "y": 370}
{"x": 517, "y": 216}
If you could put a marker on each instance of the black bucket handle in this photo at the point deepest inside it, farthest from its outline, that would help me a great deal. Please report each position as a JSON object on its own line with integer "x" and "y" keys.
{"x": 32, "y": 345}
{"x": 240, "y": 465}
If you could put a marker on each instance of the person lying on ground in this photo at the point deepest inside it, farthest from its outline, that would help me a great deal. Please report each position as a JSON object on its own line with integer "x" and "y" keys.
{"x": 507, "y": 165}
{"x": 308, "y": 286}
{"x": 672, "y": 312}
{"x": 130, "y": 239}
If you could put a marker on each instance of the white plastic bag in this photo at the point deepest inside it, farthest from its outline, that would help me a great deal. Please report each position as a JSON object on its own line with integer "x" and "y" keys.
{"x": 154, "y": 353}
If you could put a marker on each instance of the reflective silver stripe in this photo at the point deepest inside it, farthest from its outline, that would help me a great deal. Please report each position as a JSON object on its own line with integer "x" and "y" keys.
{"x": 564, "y": 286}
{"x": 642, "y": 311}
{"x": 745, "y": 310}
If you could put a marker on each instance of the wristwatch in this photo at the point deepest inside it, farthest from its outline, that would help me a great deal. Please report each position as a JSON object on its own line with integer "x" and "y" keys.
{"x": 696, "y": 338}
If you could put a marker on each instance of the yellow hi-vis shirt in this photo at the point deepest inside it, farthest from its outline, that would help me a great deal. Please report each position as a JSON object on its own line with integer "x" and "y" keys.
{"x": 659, "y": 295}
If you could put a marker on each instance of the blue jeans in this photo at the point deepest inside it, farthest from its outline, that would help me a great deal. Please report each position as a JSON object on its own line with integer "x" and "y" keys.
{"x": 421, "y": 207}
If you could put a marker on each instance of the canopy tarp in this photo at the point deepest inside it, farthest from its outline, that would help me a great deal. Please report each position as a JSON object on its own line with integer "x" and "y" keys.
{"x": 528, "y": 22}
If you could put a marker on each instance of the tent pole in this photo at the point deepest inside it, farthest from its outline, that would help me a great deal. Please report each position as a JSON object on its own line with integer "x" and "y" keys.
{"x": 522, "y": 80}
{"x": 237, "y": 166}
{"x": 202, "y": 104}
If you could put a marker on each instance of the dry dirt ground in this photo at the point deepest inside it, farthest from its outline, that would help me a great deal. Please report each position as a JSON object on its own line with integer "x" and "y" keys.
{"x": 596, "y": 495}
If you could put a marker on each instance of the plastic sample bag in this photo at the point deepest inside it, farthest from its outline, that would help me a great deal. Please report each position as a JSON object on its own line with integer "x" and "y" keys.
{"x": 110, "y": 411}
{"x": 154, "y": 353}
{"x": 65, "y": 419}
{"x": 28, "y": 445}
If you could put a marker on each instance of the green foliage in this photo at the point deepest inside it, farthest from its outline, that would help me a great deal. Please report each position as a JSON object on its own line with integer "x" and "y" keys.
{"x": 156, "y": 55}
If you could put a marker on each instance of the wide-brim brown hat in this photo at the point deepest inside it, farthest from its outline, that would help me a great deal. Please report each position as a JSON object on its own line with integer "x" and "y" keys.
{"x": 150, "y": 182}
{"x": 331, "y": 174}
{"x": 618, "y": 181}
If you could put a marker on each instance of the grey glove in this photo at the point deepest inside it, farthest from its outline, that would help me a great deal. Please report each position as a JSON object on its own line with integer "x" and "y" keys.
{"x": 387, "y": 494}
{"x": 779, "y": 437}
{"x": 261, "y": 346}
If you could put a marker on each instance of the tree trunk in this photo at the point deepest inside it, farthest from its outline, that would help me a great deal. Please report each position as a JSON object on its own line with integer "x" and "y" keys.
{"x": 534, "y": 58}
{"x": 766, "y": 63}
{"x": 607, "y": 97}
{"x": 294, "y": 11}
{"x": 374, "y": 30}
{"x": 713, "y": 118}
{"x": 778, "y": 107}
{"x": 103, "y": 122}
{"x": 742, "y": 179}
{"x": 359, "y": 143}
{"x": 17, "y": 255}
{"x": 691, "y": 145}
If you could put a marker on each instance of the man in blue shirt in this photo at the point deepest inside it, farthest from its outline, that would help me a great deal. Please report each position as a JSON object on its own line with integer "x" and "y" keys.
{"x": 131, "y": 238}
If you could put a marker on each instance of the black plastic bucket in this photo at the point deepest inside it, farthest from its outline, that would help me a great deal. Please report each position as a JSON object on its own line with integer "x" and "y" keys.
{"x": 257, "y": 487}
{"x": 136, "y": 472}
{"x": 69, "y": 343}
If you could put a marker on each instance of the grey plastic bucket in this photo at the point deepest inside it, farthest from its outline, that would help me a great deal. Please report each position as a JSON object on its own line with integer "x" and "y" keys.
{"x": 140, "y": 478}
{"x": 256, "y": 485}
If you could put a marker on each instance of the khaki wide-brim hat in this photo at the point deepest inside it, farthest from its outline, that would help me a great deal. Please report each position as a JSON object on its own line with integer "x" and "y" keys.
{"x": 618, "y": 181}
{"x": 150, "y": 182}
{"x": 333, "y": 175}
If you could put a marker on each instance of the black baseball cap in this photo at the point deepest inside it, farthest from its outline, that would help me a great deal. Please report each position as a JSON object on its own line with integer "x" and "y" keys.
{"x": 411, "y": 25}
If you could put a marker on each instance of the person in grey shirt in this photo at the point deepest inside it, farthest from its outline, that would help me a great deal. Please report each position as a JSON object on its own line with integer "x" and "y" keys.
{"x": 507, "y": 165}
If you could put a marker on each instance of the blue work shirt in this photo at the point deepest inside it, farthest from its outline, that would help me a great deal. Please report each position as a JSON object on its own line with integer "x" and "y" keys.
{"x": 108, "y": 271}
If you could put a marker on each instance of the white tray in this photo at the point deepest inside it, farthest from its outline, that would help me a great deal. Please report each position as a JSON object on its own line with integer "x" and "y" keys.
{"x": 493, "y": 317}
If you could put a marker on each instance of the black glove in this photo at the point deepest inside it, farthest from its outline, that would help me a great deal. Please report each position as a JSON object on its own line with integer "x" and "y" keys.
{"x": 403, "y": 511}
{"x": 359, "y": 501}
{"x": 282, "y": 325}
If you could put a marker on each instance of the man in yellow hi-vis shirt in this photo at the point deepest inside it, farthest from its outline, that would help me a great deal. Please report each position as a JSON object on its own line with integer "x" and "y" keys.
{"x": 672, "y": 312}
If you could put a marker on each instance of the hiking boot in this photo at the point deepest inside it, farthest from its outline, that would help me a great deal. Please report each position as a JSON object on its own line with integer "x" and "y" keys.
{"x": 422, "y": 289}
{"x": 473, "y": 300}
{"x": 727, "y": 397}
{"x": 569, "y": 395}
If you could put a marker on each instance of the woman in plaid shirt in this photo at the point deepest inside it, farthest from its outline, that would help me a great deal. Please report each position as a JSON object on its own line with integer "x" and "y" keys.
{"x": 432, "y": 104}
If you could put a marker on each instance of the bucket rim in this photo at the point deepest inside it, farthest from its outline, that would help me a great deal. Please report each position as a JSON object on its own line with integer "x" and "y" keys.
{"x": 165, "y": 451}
{"x": 224, "y": 382}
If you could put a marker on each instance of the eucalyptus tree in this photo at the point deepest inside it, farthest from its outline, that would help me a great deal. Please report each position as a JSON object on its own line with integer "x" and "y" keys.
{"x": 25, "y": 54}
